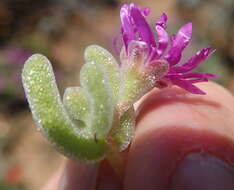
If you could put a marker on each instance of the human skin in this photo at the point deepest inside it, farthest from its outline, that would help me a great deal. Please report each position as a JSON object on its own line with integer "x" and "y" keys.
{"x": 182, "y": 142}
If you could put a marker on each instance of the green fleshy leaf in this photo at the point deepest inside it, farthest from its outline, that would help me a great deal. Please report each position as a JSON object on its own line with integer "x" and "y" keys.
{"x": 132, "y": 87}
{"x": 137, "y": 79}
{"x": 51, "y": 116}
{"x": 75, "y": 100}
{"x": 123, "y": 134}
{"x": 94, "y": 81}
{"x": 102, "y": 57}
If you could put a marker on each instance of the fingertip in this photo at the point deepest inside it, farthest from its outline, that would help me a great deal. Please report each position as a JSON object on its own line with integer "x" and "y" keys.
{"x": 175, "y": 105}
{"x": 172, "y": 123}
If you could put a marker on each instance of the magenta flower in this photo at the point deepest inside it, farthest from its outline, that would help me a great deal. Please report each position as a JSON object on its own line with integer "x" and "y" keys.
{"x": 138, "y": 39}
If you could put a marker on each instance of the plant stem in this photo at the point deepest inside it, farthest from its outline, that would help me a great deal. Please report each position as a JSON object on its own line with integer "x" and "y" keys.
{"x": 116, "y": 160}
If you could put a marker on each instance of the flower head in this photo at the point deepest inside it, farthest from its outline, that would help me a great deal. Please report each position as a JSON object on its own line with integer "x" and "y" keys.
{"x": 139, "y": 43}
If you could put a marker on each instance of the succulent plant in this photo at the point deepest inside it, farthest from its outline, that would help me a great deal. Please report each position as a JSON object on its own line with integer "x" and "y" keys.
{"x": 97, "y": 119}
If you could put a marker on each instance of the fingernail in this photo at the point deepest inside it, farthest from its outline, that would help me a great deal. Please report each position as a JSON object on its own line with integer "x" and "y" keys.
{"x": 78, "y": 176}
{"x": 203, "y": 172}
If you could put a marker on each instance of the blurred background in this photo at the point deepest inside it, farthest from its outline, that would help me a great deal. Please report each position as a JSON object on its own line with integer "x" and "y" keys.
{"x": 61, "y": 29}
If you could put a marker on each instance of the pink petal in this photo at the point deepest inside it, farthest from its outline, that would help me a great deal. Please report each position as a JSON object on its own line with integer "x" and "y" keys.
{"x": 127, "y": 26}
{"x": 194, "y": 61}
{"x": 198, "y": 75}
{"x": 142, "y": 27}
{"x": 181, "y": 40}
{"x": 162, "y": 21}
{"x": 190, "y": 75}
{"x": 198, "y": 80}
{"x": 163, "y": 40}
{"x": 145, "y": 12}
{"x": 187, "y": 85}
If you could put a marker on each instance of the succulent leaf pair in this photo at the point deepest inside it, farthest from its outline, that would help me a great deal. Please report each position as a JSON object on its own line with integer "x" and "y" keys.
{"x": 89, "y": 118}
